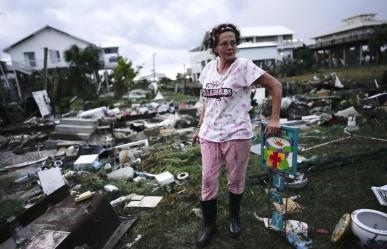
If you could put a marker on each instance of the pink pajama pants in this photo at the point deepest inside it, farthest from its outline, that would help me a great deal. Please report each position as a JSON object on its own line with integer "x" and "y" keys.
{"x": 235, "y": 153}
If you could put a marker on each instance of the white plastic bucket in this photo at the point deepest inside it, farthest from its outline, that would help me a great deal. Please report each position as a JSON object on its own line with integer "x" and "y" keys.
{"x": 370, "y": 226}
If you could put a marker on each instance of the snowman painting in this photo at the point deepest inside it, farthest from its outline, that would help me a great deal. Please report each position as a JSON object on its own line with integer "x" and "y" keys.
{"x": 278, "y": 153}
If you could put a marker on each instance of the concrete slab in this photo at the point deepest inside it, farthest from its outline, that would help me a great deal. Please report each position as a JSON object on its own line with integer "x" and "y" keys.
{"x": 72, "y": 129}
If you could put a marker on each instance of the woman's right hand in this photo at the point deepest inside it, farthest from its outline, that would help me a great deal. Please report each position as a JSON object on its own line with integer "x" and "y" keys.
{"x": 195, "y": 137}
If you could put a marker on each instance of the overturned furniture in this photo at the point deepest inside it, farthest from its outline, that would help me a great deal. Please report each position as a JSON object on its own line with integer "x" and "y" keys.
{"x": 66, "y": 224}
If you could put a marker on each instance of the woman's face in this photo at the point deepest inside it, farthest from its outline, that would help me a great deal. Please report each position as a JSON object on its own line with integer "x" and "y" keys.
{"x": 226, "y": 47}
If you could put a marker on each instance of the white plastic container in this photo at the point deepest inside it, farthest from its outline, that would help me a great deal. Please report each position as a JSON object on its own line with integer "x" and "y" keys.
{"x": 370, "y": 226}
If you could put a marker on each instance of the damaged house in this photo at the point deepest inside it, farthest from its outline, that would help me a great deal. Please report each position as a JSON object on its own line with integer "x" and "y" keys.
{"x": 43, "y": 51}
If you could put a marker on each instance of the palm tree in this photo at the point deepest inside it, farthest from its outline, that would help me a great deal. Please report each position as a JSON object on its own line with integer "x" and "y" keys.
{"x": 83, "y": 64}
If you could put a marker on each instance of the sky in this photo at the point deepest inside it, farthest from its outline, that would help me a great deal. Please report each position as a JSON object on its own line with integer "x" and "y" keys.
{"x": 170, "y": 28}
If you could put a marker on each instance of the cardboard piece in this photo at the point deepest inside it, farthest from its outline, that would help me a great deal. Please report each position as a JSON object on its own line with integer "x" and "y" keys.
{"x": 147, "y": 201}
{"x": 43, "y": 102}
{"x": 50, "y": 180}
{"x": 47, "y": 239}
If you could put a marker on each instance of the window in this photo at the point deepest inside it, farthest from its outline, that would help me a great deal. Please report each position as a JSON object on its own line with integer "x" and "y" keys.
{"x": 54, "y": 55}
{"x": 249, "y": 39}
{"x": 113, "y": 50}
{"x": 113, "y": 59}
{"x": 266, "y": 39}
{"x": 30, "y": 59}
{"x": 288, "y": 37}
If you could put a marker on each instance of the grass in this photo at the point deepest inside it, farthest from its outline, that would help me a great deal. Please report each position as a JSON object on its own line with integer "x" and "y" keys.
{"x": 330, "y": 193}
{"x": 179, "y": 97}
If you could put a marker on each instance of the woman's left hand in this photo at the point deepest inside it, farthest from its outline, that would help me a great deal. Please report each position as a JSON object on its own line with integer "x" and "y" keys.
{"x": 273, "y": 127}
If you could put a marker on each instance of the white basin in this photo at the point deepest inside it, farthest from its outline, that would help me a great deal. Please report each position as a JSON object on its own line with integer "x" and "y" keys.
{"x": 370, "y": 226}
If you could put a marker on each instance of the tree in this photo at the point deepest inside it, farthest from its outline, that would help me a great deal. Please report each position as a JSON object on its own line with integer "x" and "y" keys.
{"x": 165, "y": 81}
{"x": 122, "y": 76}
{"x": 304, "y": 56}
{"x": 378, "y": 40}
{"x": 83, "y": 64}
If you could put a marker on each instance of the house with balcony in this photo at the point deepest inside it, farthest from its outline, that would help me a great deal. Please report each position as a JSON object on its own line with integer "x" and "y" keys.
{"x": 348, "y": 43}
{"x": 109, "y": 53}
{"x": 265, "y": 46}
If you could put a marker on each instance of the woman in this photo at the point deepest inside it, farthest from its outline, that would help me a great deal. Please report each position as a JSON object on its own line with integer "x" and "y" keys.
{"x": 225, "y": 129}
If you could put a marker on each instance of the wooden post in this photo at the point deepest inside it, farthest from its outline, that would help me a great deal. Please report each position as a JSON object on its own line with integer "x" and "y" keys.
{"x": 45, "y": 67}
{"x": 330, "y": 58}
{"x": 344, "y": 57}
{"x": 17, "y": 84}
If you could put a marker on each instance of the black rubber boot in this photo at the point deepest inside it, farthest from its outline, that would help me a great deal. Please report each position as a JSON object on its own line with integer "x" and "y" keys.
{"x": 235, "y": 203}
{"x": 209, "y": 209}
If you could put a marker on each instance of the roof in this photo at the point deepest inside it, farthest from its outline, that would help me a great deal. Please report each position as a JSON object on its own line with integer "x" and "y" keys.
{"x": 39, "y": 31}
{"x": 257, "y": 44}
{"x": 266, "y": 31}
{"x": 355, "y": 22}
{"x": 107, "y": 44}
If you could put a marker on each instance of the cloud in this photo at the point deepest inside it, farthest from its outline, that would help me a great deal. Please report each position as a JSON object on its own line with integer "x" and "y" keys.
{"x": 171, "y": 28}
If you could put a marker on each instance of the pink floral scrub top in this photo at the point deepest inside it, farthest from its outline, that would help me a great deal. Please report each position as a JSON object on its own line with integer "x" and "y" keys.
{"x": 227, "y": 100}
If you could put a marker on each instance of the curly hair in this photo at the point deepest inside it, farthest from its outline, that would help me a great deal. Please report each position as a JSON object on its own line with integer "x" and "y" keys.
{"x": 219, "y": 29}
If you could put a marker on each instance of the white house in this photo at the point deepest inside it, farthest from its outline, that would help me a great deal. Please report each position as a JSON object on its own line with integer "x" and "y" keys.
{"x": 109, "y": 54}
{"x": 265, "y": 46}
{"x": 150, "y": 77}
{"x": 28, "y": 53}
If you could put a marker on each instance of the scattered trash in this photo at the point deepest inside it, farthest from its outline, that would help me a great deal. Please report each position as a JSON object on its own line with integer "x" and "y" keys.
{"x": 256, "y": 149}
{"x": 182, "y": 176}
{"x": 43, "y": 101}
{"x": 164, "y": 178}
{"x": 351, "y": 125}
{"x": 147, "y": 201}
{"x": 296, "y": 232}
{"x": 131, "y": 244}
{"x": 107, "y": 167}
{"x": 129, "y": 197}
{"x": 84, "y": 196}
{"x": 87, "y": 162}
{"x": 299, "y": 181}
{"x": 381, "y": 194}
{"x": 50, "y": 180}
{"x": 139, "y": 179}
{"x": 198, "y": 212}
{"x": 94, "y": 113}
{"x": 25, "y": 164}
{"x": 292, "y": 206}
{"x": 47, "y": 239}
{"x": 110, "y": 188}
{"x": 341, "y": 228}
{"x": 121, "y": 174}
{"x": 351, "y": 111}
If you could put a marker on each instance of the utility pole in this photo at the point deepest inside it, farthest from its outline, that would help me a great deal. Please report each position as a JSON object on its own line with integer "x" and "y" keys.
{"x": 154, "y": 67}
{"x": 185, "y": 80}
